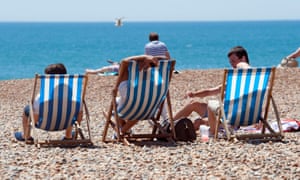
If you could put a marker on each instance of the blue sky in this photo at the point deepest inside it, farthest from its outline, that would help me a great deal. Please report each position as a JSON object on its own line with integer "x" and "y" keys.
{"x": 155, "y": 10}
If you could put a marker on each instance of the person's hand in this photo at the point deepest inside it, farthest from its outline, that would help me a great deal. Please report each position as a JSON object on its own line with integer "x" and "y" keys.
{"x": 189, "y": 95}
{"x": 150, "y": 61}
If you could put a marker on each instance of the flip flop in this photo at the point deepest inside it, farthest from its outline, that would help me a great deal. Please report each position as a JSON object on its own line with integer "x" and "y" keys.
{"x": 19, "y": 137}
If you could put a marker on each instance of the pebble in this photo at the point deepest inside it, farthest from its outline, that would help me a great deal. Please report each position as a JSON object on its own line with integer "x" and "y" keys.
{"x": 209, "y": 160}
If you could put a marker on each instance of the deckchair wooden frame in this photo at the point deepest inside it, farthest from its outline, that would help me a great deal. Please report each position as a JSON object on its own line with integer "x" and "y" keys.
{"x": 79, "y": 138}
{"x": 263, "y": 136}
{"x": 114, "y": 122}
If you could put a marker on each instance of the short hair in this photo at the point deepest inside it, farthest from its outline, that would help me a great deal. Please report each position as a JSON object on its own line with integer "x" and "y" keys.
{"x": 239, "y": 51}
{"x": 153, "y": 36}
{"x": 57, "y": 68}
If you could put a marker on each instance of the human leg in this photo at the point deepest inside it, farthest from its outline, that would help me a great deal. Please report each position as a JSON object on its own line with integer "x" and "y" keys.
{"x": 211, "y": 121}
{"x": 25, "y": 123}
{"x": 192, "y": 106}
{"x": 128, "y": 125}
{"x": 213, "y": 106}
{"x": 68, "y": 131}
{"x": 21, "y": 136}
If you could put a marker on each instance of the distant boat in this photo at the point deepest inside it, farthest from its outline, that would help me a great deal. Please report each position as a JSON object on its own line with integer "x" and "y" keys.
{"x": 119, "y": 22}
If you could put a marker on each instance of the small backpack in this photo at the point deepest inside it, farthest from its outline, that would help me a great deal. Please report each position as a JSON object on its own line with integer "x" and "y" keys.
{"x": 184, "y": 130}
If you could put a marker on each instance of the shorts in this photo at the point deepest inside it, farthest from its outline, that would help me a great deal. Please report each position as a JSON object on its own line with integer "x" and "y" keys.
{"x": 26, "y": 110}
{"x": 213, "y": 105}
{"x": 123, "y": 93}
{"x": 36, "y": 107}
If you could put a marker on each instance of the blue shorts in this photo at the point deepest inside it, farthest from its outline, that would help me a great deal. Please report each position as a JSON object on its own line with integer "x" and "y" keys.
{"x": 26, "y": 110}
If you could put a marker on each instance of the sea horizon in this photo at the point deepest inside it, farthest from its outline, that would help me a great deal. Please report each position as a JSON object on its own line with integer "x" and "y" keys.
{"x": 27, "y": 47}
{"x": 158, "y": 21}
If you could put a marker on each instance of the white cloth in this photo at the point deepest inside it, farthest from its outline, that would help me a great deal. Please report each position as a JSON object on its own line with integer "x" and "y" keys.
{"x": 123, "y": 93}
{"x": 36, "y": 104}
{"x": 213, "y": 105}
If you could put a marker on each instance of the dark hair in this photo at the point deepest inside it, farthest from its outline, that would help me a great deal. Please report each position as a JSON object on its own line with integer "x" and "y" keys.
{"x": 239, "y": 51}
{"x": 58, "y": 68}
{"x": 153, "y": 36}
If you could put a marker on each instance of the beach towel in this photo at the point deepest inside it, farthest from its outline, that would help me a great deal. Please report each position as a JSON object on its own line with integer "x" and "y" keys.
{"x": 288, "y": 125}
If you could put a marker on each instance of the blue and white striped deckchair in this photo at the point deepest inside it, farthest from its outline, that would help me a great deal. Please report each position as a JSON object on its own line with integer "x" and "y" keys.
{"x": 146, "y": 92}
{"x": 61, "y": 99}
{"x": 246, "y": 99}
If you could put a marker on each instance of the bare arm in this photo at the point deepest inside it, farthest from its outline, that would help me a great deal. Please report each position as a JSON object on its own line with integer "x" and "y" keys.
{"x": 206, "y": 92}
{"x": 294, "y": 54}
{"x": 168, "y": 55}
{"x": 145, "y": 61}
{"x": 93, "y": 71}
{"x": 137, "y": 58}
{"x": 110, "y": 68}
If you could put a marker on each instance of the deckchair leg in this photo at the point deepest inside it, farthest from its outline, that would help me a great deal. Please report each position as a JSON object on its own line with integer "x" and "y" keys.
{"x": 222, "y": 114}
{"x": 87, "y": 120}
{"x": 108, "y": 123}
{"x": 108, "y": 120}
{"x": 171, "y": 115}
{"x": 277, "y": 116}
{"x": 78, "y": 131}
{"x": 266, "y": 125}
{"x": 105, "y": 131}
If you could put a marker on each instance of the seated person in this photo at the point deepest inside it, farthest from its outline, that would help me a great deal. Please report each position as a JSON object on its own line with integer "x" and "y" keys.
{"x": 290, "y": 60}
{"x": 50, "y": 69}
{"x": 145, "y": 61}
{"x": 238, "y": 58}
{"x": 112, "y": 69}
{"x": 295, "y": 54}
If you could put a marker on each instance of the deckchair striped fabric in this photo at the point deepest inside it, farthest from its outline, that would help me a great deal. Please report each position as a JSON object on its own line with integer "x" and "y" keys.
{"x": 60, "y": 101}
{"x": 244, "y": 95}
{"x": 147, "y": 89}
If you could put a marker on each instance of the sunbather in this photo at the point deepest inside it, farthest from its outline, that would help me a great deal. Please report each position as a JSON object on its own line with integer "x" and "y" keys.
{"x": 145, "y": 61}
{"x": 111, "y": 69}
{"x": 238, "y": 58}
{"x": 295, "y": 54}
{"x": 21, "y": 136}
{"x": 290, "y": 60}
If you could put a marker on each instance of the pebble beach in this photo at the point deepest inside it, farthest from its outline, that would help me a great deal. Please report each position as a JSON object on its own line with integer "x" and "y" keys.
{"x": 219, "y": 159}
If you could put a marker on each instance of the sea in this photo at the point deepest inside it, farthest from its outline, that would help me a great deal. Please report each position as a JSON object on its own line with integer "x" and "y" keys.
{"x": 27, "y": 48}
